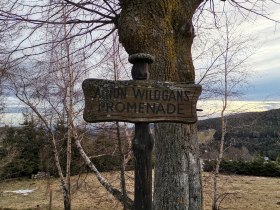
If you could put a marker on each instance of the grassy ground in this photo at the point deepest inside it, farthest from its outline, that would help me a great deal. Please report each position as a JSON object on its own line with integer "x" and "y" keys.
{"x": 237, "y": 192}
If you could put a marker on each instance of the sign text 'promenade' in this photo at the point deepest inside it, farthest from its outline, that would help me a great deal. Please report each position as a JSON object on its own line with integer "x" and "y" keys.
{"x": 140, "y": 101}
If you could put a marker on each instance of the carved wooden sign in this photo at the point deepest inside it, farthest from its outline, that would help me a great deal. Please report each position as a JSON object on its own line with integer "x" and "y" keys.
{"x": 140, "y": 101}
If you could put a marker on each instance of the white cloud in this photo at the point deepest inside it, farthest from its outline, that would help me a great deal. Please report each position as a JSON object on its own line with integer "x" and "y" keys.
{"x": 212, "y": 108}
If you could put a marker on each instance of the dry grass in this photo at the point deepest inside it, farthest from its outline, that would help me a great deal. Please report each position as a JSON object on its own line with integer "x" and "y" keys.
{"x": 241, "y": 192}
{"x": 245, "y": 192}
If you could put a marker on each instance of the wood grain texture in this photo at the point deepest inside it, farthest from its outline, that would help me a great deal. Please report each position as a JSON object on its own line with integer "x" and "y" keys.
{"x": 140, "y": 101}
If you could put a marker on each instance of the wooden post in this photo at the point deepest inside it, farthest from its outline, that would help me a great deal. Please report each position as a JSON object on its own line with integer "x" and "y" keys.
{"x": 142, "y": 144}
{"x": 140, "y": 101}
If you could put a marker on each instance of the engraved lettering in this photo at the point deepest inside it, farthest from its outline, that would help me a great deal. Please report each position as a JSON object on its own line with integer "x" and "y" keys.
{"x": 165, "y": 95}
{"x": 120, "y": 107}
{"x": 172, "y": 96}
{"x": 156, "y": 95}
{"x": 180, "y": 108}
{"x": 186, "y": 93}
{"x": 141, "y": 107}
{"x": 171, "y": 108}
{"x": 160, "y": 108}
{"x": 151, "y": 107}
{"x": 131, "y": 107}
{"x": 138, "y": 94}
{"x": 109, "y": 106}
{"x": 179, "y": 95}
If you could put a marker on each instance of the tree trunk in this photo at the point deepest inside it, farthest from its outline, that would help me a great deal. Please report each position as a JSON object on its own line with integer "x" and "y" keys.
{"x": 164, "y": 29}
{"x": 122, "y": 165}
{"x": 223, "y": 127}
{"x": 220, "y": 157}
{"x": 70, "y": 112}
{"x": 116, "y": 193}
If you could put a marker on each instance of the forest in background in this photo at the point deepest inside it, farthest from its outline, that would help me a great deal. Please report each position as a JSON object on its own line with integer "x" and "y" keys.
{"x": 25, "y": 150}
{"x": 249, "y": 135}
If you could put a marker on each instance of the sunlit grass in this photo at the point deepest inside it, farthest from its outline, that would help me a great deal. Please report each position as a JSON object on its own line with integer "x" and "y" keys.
{"x": 241, "y": 192}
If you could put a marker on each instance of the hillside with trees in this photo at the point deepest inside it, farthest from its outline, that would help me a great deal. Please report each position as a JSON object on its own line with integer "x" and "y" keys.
{"x": 249, "y": 136}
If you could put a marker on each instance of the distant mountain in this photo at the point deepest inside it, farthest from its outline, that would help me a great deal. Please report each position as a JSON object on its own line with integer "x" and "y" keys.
{"x": 248, "y": 135}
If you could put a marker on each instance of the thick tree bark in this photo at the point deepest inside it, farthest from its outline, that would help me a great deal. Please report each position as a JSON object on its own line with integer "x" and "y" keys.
{"x": 163, "y": 28}
{"x": 177, "y": 175}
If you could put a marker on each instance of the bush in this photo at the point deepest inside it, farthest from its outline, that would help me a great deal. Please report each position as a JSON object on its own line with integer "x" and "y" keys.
{"x": 111, "y": 163}
{"x": 26, "y": 141}
{"x": 254, "y": 168}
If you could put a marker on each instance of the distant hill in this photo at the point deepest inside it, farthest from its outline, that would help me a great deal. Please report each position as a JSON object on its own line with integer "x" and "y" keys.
{"x": 249, "y": 135}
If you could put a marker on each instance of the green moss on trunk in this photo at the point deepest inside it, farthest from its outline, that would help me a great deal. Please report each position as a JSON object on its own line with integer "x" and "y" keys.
{"x": 163, "y": 28}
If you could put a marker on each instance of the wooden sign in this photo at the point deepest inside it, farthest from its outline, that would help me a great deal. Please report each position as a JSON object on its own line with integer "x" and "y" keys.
{"x": 140, "y": 101}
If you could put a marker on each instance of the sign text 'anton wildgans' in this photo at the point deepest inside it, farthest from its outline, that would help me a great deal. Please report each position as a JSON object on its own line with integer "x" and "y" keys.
{"x": 140, "y": 101}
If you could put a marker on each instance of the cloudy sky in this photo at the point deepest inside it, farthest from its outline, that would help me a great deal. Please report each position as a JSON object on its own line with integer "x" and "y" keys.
{"x": 265, "y": 84}
{"x": 263, "y": 91}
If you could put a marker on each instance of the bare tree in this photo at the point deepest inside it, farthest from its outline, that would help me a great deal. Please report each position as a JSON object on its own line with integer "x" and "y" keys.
{"x": 225, "y": 78}
{"x": 163, "y": 29}
{"x": 53, "y": 95}
{"x": 115, "y": 63}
